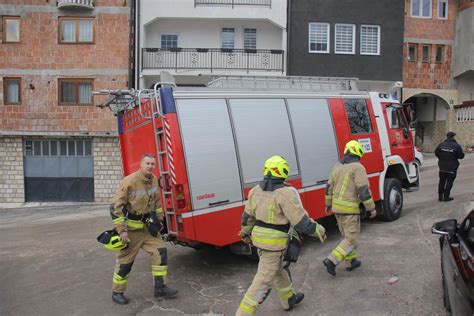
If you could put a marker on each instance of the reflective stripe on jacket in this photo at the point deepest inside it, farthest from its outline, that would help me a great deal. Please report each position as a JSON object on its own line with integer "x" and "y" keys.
{"x": 279, "y": 207}
{"x": 138, "y": 195}
{"x": 348, "y": 185}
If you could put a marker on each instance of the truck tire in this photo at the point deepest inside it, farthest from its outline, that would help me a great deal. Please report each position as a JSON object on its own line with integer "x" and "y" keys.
{"x": 393, "y": 199}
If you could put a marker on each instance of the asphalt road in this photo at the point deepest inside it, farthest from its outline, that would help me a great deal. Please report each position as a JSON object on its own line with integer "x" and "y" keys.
{"x": 51, "y": 264}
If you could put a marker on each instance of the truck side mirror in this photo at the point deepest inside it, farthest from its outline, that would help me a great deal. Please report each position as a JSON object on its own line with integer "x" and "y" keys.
{"x": 405, "y": 133}
{"x": 447, "y": 227}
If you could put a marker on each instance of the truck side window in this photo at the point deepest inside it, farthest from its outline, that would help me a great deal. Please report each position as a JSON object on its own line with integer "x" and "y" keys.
{"x": 358, "y": 115}
{"x": 393, "y": 118}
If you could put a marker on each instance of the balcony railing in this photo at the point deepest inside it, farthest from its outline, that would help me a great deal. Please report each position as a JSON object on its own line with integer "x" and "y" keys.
{"x": 87, "y": 4}
{"x": 213, "y": 59}
{"x": 266, "y": 3}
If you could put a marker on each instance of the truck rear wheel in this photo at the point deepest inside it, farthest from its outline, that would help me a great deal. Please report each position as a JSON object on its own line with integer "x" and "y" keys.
{"x": 393, "y": 199}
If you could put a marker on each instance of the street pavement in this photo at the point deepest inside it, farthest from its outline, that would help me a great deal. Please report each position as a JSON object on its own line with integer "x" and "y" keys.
{"x": 51, "y": 264}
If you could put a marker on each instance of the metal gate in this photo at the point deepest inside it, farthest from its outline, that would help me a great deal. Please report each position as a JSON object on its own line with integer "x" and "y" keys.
{"x": 58, "y": 170}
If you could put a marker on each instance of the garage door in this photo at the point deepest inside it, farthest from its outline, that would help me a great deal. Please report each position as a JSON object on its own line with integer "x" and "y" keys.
{"x": 59, "y": 170}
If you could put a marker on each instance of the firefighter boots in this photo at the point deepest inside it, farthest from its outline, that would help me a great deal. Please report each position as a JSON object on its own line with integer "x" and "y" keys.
{"x": 165, "y": 292}
{"x": 295, "y": 299}
{"x": 330, "y": 267}
{"x": 119, "y": 298}
{"x": 161, "y": 290}
{"x": 354, "y": 264}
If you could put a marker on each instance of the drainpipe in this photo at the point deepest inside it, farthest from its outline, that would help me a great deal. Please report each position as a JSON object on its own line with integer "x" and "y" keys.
{"x": 138, "y": 69}
{"x": 288, "y": 19}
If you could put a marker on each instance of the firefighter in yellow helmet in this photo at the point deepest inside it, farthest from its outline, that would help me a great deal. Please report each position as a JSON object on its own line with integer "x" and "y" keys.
{"x": 348, "y": 185}
{"x": 137, "y": 215}
{"x": 272, "y": 209}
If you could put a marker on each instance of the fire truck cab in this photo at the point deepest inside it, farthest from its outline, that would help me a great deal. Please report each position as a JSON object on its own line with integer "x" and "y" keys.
{"x": 211, "y": 143}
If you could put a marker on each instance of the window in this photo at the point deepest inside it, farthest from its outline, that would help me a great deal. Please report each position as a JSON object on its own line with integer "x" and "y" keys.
{"x": 442, "y": 9}
{"x": 11, "y": 90}
{"x": 58, "y": 147}
{"x": 426, "y": 54}
{"x": 412, "y": 48}
{"x": 344, "y": 39}
{"x": 370, "y": 40}
{"x": 76, "y": 30}
{"x": 250, "y": 38}
{"x": 358, "y": 115}
{"x": 75, "y": 91}
{"x": 439, "y": 54}
{"x": 227, "y": 38}
{"x": 421, "y": 8}
{"x": 394, "y": 123}
{"x": 319, "y": 37}
{"x": 169, "y": 41}
{"x": 11, "y": 29}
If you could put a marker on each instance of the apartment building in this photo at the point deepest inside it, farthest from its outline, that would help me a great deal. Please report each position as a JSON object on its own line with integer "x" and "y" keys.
{"x": 463, "y": 74}
{"x": 195, "y": 40}
{"x": 361, "y": 39}
{"x": 55, "y": 145}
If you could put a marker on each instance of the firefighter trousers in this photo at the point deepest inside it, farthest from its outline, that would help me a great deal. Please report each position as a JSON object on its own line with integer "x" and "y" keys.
{"x": 270, "y": 273}
{"x": 140, "y": 239}
{"x": 349, "y": 226}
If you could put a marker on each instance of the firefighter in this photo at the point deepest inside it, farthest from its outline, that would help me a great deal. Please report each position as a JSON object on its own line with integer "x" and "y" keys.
{"x": 348, "y": 185}
{"x": 137, "y": 216}
{"x": 272, "y": 207}
{"x": 448, "y": 152}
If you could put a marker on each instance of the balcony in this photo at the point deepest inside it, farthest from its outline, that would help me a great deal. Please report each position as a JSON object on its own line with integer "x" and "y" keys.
{"x": 233, "y": 3}
{"x": 213, "y": 59}
{"x": 83, "y": 4}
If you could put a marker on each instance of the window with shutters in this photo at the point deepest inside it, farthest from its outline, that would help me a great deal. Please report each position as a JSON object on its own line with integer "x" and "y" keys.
{"x": 250, "y": 38}
{"x": 227, "y": 38}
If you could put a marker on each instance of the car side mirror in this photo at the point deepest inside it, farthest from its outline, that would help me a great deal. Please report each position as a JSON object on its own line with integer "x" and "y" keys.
{"x": 470, "y": 236}
{"x": 447, "y": 227}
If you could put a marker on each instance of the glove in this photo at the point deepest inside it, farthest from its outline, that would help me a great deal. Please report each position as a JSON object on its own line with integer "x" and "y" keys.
{"x": 320, "y": 232}
{"x": 245, "y": 236}
{"x": 154, "y": 225}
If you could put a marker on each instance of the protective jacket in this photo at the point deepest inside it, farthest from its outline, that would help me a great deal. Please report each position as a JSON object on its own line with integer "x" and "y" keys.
{"x": 448, "y": 153}
{"x": 135, "y": 199}
{"x": 348, "y": 185}
{"x": 269, "y": 214}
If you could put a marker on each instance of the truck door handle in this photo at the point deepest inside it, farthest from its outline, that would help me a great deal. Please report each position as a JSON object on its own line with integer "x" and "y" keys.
{"x": 218, "y": 202}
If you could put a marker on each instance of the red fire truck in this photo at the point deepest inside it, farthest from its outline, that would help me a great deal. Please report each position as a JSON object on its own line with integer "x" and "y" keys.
{"x": 211, "y": 143}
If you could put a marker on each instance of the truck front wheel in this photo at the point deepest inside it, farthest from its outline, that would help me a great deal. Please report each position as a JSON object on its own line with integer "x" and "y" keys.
{"x": 393, "y": 199}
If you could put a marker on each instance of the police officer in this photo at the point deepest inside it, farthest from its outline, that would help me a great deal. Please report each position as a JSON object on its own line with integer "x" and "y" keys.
{"x": 348, "y": 185}
{"x": 448, "y": 153}
{"x": 137, "y": 216}
{"x": 269, "y": 211}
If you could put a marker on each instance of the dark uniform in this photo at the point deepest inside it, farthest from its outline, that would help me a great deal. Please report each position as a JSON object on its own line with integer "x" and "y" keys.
{"x": 448, "y": 153}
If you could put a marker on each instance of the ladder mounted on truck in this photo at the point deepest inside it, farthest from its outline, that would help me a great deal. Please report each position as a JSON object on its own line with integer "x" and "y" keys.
{"x": 290, "y": 82}
{"x": 123, "y": 100}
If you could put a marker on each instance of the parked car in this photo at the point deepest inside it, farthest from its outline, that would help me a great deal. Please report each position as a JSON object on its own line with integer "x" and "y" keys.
{"x": 418, "y": 157}
{"x": 457, "y": 264}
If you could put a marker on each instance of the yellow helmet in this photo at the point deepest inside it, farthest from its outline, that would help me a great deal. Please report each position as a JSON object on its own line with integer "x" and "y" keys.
{"x": 277, "y": 166}
{"x": 355, "y": 148}
{"x": 111, "y": 240}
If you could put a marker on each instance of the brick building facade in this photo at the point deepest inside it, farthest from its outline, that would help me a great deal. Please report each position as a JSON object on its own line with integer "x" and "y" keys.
{"x": 431, "y": 31}
{"x": 54, "y": 143}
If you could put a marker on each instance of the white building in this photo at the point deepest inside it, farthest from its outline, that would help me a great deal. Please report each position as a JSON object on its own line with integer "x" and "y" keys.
{"x": 209, "y": 37}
